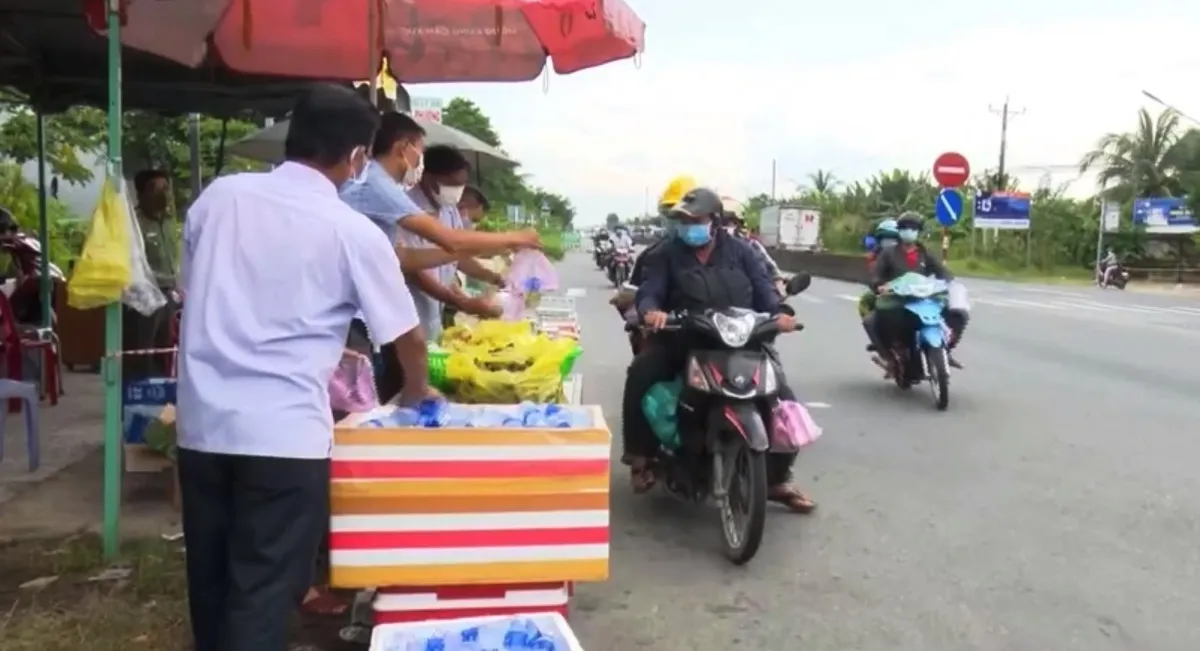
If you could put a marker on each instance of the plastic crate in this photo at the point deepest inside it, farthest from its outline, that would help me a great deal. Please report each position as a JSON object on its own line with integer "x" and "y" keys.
{"x": 391, "y": 637}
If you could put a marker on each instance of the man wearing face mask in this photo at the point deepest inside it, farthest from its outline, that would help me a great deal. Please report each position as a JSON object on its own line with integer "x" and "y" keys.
{"x": 910, "y": 256}
{"x": 380, "y": 192}
{"x": 438, "y": 193}
{"x": 623, "y": 300}
{"x": 703, "y": 267}
{"x": 254, "y": 421}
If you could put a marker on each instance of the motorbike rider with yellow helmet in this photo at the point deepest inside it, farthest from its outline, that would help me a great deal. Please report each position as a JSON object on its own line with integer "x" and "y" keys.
{"x": 671, "y": 195}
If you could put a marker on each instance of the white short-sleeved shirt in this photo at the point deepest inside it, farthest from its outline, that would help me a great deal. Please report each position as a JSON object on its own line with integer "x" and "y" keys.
{"x": 274, "y": 267}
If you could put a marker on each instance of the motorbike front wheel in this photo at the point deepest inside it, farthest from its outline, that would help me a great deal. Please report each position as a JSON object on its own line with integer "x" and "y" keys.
{"x": 937, "y": 373}
{"x": 744, "y": 507}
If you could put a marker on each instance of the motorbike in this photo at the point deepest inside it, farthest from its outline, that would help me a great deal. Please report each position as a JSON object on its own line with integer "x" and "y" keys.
{"x": 924, "y": 355}
{"x": 1118, "y": 277}
{"x": 24, "y": 275}
{"x": 620, "y": 265}
{"x": 728, "y": 389}
{"x": 602, "y": 252}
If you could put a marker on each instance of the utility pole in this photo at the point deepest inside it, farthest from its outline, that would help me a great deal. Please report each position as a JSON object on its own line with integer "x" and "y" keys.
{"x": 1004, "y": 112}
{"x": 773, "y": 174}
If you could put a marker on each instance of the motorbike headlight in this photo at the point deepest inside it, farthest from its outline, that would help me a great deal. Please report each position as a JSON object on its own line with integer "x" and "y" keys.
{"x": 734, "y": 330}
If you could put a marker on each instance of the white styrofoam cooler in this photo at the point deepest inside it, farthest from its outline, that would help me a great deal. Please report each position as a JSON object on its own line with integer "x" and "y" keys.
{"x": 395, "y": 637}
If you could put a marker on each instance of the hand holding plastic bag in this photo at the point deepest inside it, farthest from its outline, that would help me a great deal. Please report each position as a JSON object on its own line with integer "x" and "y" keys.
{"x": 104, "y": 269}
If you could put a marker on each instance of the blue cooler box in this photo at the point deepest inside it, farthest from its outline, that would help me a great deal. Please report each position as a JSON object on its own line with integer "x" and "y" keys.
{"x": 142, "y": 403}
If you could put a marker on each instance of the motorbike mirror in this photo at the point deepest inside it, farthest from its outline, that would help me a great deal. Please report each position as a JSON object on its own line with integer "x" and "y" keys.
{"x": 798, "y": 283}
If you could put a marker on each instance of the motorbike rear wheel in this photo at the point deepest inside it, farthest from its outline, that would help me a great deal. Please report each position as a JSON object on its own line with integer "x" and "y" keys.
{"x": 938, "y": 377}
{"x": 744, "y": 507}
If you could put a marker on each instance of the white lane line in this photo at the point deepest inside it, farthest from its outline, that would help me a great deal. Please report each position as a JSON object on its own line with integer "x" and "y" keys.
{"x": 1186, "y": 311}
{"x": 576, "y": 292}
{"x": 810, "y": 299}
{"x": 818, "y": 405}
{"x": 848, "y": 297}
{"x": 1055, "y": 292}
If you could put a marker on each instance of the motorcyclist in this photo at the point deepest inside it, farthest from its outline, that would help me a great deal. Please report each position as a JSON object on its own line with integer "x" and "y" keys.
{"x": 621, "y": 237}
{"x": 1107, "y": 265}
{"x": 623, "y": 301}
{"x": 886, "y": 236}
{"x": 910, "y": 256}
{"x": 735, "y": 226}
{"x": 703, "y": 267}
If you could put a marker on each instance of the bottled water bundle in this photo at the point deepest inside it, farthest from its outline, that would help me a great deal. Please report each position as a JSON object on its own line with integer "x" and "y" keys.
{"x": 437, "y": 413}
{"x": 534, "y": 632}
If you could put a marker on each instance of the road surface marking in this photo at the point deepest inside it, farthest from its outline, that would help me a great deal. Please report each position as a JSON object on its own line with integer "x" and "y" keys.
{"x": 848, "y": 297}
{"x": 810, "y": 299}
{"x": 1056, "y": 292}
{"x": 817, "y": 405}
{"x": 576, "y": 292}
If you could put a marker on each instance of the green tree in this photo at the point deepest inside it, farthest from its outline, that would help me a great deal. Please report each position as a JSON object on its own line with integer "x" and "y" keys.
{"x": 505, "y": 186}
{"x": 72, "y": 139}
{"x": 1145, "y": 162}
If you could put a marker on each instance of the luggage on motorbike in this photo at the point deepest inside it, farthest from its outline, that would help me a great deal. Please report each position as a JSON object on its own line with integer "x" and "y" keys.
{"x": 792, "y": 427}
{"x": 660, "y": 404}
{"x": 956, "y": 298}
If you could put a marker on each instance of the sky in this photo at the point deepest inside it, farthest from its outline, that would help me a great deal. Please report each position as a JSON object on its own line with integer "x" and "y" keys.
{"x": 852, "y": 87}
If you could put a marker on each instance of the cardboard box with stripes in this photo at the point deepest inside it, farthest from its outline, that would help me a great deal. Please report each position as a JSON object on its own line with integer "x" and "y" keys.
{"x": 469, "y": 506}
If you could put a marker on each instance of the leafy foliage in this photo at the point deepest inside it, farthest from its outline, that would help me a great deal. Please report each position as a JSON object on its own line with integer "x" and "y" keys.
{"x": 505, "y": 187}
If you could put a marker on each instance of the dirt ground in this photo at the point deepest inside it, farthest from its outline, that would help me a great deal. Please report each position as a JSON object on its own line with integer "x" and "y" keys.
{"x": 58, "y": 593}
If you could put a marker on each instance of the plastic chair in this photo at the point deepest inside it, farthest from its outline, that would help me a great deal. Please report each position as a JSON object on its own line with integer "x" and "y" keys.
{"x": 27, "y": 393}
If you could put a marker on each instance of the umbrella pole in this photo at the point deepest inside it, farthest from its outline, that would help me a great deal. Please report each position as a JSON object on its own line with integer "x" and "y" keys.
{"x": 478, "y": 173}
{"x": 112, "y": 312}
{"x": 372, "y": 64}
{"x": 44, "y": 284}
{"x": 193, "y": 122}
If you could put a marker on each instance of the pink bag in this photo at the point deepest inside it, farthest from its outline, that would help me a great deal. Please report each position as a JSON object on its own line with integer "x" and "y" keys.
{"x": 531, "y": 272}
{"x": 352, "y": 387}
{"x": 792, "y": 427}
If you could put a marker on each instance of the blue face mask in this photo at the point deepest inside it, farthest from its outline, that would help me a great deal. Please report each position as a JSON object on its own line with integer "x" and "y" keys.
{"x": 908, "y": 235}
{"x": 694, "y": 235}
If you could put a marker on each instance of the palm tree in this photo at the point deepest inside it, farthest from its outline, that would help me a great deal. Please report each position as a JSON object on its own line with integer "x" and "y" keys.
{"x": 1143, "y": 163}
{"x": 822, "y": 181}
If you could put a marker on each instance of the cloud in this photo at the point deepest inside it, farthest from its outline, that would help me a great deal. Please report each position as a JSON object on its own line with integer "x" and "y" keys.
{"x": 608, "y": 137}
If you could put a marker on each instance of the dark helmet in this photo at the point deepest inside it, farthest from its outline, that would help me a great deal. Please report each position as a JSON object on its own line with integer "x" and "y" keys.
{"x": 909, "y": 220}
{"x": 8, "y": 223}
{"x": 700, "y": 202}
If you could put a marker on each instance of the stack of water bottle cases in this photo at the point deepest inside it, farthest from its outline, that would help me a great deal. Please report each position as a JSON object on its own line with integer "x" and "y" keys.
{"x": 473, "y": 522}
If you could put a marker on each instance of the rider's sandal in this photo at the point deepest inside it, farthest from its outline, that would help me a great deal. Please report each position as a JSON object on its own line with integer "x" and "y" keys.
{"x": 642, "y": 479}
{"x": 793, "y": 498}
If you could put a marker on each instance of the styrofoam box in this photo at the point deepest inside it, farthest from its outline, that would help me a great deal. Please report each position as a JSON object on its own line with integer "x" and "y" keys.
{"x": 396, "y": 637}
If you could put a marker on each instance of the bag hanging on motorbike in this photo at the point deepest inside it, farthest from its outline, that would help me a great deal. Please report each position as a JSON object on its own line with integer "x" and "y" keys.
{"x": 105, "y": 268}
{"x": 956, "y": 298}
{"x": 792, "y": 427}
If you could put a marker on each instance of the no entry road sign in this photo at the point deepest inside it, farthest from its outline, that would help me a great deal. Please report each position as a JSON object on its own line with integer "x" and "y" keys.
{"x": 951, "y": 170}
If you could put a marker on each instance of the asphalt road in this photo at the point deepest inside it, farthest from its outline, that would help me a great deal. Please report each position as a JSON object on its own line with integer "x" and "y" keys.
{"x": 1053, "y": 507}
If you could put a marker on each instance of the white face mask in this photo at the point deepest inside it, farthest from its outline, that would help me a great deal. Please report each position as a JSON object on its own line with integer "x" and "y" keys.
{"x": 450, "y": 195}
{"x": 412, "y": 176}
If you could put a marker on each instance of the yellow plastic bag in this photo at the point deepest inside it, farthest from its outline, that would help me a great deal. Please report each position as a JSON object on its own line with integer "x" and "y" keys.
{"x": 104, "y": 269}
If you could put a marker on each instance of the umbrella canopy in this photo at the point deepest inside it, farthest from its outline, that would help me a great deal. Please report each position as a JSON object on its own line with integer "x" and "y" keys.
{"x": 267, "y": 145}
{"x": 423, "y": 40}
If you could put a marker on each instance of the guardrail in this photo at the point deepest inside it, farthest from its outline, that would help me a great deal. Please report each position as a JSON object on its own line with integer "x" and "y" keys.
{"x": 851, "y": 268}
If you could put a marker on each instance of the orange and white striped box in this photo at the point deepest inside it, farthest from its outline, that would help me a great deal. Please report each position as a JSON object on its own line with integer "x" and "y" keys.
{"x": 397, "y": 605}
{"x": 469, "y": 506}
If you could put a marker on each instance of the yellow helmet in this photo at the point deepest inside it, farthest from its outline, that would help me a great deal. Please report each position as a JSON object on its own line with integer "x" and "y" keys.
{"x": 678, "y": 187}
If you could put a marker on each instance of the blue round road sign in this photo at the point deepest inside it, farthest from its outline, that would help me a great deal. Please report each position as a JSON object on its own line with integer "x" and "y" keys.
{"x": 948, "y": 207}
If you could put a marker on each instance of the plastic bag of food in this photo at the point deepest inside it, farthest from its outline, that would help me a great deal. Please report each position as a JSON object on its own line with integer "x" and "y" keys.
{"x": 352, "y": 387}
{"x": 105, "y": 268}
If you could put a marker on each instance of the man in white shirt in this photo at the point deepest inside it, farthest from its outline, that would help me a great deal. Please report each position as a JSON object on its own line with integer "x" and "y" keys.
{"x": 275, "y": 265}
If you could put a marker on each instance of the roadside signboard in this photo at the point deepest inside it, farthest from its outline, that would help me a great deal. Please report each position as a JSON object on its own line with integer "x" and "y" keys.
{"x": 1110, "y": 216}
{"x": 1164, "y": 215}
{"x": 427, "y": 108}
{"x": 1002, "y": 211}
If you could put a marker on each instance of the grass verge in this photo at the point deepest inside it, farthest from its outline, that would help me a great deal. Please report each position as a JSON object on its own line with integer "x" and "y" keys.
{"x": 145, "y": 609}
{"x": 987, "y": 269}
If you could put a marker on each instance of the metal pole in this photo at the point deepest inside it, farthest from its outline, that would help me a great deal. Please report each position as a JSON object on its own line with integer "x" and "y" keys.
{"x": 45, "y": 286}
{"x": 372, "y": 63}
{"x": 773, "y": 175}
{"x": 112, "y": 312}
{"x": 194, "y": 153}
{"x": 1100, "y": 235}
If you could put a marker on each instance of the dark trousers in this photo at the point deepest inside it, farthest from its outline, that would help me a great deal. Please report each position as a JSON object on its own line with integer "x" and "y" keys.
{"x": 891, "y": 325}
{"x": 661, "y": 362}
{"x": 252, "y": 526}
{"x": 390, "y": 381}
{"x": 140, "y": 332}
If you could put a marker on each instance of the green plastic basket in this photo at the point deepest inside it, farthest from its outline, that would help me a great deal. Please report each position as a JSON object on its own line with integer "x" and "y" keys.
{"x": 568, "y": 362}
{"x": 437, "y": 368}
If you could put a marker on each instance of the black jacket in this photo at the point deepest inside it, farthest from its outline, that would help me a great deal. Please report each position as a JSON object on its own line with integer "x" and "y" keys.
{"x": 891, "y": 263}
{"x": 674, "y": 259}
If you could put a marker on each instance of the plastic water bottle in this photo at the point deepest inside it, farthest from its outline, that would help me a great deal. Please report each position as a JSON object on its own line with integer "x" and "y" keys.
{"x": 489, "y": 417}
{"x": 517, "y": 636}
{"x": 432, "y": 413}
{"x": 459, "y": 415}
